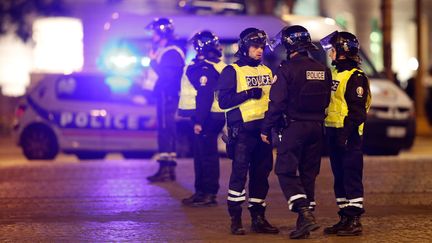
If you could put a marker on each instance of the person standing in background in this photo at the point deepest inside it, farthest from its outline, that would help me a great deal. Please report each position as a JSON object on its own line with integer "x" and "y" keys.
{"x": 166, "y": 69}
{"x": 197, "y": 100}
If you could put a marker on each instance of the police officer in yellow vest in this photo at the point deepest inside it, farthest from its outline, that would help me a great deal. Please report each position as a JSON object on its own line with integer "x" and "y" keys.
{"x": 166, "y": 69}
{"x": 346, "y": 114}
{"x": 300, "y": 92}
{"x": 244, "y": 91}
{"x": 197, "y": 100}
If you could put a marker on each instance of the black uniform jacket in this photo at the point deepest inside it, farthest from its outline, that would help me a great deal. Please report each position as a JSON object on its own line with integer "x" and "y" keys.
{"x": 204, "y": 77}
{"x": 357, "y": 112}
{"x": 228, "y": 96}
{"x": 169, "y": 71}
{"x": 289, "y": 79}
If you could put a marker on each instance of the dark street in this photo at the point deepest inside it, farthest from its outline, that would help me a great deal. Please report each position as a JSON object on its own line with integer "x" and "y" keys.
{"x": 110, "y": 201}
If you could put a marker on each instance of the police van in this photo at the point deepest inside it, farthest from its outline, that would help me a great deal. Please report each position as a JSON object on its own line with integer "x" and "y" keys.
{"x": 91, "y": 115}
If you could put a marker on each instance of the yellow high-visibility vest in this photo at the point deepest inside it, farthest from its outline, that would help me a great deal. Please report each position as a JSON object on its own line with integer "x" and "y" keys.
{"x": 253, "y": 77}
{"x": 338, "y": 107}
{"x": 188, "y": 92}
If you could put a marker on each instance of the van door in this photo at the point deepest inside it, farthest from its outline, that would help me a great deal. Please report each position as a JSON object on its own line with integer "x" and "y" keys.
{"x": 81, "y": 115}
{"x": 132, "y": 130}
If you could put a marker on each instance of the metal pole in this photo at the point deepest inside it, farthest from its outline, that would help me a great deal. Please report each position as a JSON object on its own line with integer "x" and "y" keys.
{"x": 386, "y": 13}
{"x": 422, "y": 125}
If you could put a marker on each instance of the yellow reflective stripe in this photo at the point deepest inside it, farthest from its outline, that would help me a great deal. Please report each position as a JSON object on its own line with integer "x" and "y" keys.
{"x": 232, "y": 192}
{"x": 256, "y": 200}
{"x": 237, "y": 199}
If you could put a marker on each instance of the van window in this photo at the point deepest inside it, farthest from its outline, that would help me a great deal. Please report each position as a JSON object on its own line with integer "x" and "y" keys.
{"x": 80, "y": 88}
{"x": 93, "y": 89}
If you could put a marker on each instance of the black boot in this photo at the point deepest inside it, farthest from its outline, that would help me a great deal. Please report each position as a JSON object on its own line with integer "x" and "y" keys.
{"x": 305, "y": 224}
{"x": 261, "y": 225}
{"x": 338, "y": 226}
{"x": 163, "y": 173}
{"x": 190, "y": 200}
{"x": 207, "y": 200}
{"x": 237, "y": 226}
{"x": 352, "y": 228}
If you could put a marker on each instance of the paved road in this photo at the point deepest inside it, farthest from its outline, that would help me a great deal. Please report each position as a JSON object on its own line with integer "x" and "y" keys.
{"x": 110, "y": 201}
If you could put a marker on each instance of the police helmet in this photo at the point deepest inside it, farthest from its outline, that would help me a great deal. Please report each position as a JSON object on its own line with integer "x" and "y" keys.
{"x": 251, "y": 37}
{"x": 205, "y": 42}
{"x": 296, "y": 38}
{"x": 162, "y": 26}
{"x": 344, "y": 43}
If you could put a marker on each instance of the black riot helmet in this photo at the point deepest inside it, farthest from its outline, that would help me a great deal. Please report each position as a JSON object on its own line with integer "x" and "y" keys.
{"x": 295, "y": 38}
{"x": 205, "y": 42}
{"x": 251, "y": 37}
{"x": 162, "y": 26}
{"x": 345, "y": 44}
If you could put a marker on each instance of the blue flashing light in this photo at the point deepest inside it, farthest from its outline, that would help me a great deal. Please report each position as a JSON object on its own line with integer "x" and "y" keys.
{"x": 120, "y": 60}
{"x": 118, "y": 84}
{"x": 145, "y": 61}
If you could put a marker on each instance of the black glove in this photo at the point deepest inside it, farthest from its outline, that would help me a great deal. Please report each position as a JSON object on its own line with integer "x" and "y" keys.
{"x": 254, "y": 93}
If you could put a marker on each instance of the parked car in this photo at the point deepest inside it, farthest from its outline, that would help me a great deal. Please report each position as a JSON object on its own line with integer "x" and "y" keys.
{"x": 88, "y": 115}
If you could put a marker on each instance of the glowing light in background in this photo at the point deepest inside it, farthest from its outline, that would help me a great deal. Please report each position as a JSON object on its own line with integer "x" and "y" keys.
{"x": 15, "y": 65}
{"x": 413, "y": 64}
{"x": 59, "y": 45}
{"x": 145, "y": 61}
{"x": 121, "y": 60}
{"x": 118, "y": 84}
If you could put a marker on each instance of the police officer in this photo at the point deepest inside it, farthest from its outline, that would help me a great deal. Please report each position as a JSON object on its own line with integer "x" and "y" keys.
{"x": 244, "y": 89}
{"x": 197, "y": 99}
{"x": 166, "y": 69}
{"x": 346, "y": 114}
{"x": 299, "y": 94}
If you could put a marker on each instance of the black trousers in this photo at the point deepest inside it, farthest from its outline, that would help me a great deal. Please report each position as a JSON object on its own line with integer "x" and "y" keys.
{"x": 166, "y": 109}
{"x": 206, "y": 157}
{"x": 298, "y": 162}
{"x": 347, "y": 167}
{"x": 255, "y": 157}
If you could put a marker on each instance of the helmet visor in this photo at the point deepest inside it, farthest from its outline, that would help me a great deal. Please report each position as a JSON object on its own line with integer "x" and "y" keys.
{"x": 325, "y": 42}
{"x": 275, "y": 41}
{"x": 257, "y": 38}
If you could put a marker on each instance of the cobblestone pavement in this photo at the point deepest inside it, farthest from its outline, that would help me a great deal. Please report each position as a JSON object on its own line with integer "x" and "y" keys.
{"x": 110, "y": 201}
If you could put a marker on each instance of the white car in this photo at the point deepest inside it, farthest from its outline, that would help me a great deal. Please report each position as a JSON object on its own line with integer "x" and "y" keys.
{"x": 83, "y": 115}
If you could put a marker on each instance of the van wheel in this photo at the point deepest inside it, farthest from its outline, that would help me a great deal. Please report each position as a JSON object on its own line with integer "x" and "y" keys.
{"x": 39, "y": 143}
{"x": 88, "y": 155}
